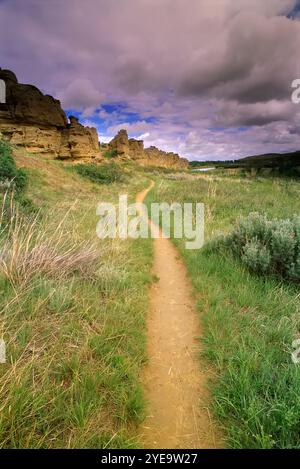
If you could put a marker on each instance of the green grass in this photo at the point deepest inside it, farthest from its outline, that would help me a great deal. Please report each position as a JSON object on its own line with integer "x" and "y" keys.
{"x": 249, "y": 321}
{"x": 10, "y": 176}
{"x": 110, "y": 154}
{"x": 76, "y": 339}
{"x": 102, "y": 174}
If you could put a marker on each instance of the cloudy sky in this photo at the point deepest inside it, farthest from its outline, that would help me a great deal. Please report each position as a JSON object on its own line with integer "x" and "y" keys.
{"x": 210, "y": 79}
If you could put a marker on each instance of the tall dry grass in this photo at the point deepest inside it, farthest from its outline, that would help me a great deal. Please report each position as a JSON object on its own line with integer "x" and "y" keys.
{"x": 29, "y": 248}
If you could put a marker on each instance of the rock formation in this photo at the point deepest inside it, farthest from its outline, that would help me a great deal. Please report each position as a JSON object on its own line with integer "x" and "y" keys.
{"x": 120, "y": 145}
{"x": 37, "y": 122}
{"x": 78, "y": 141}
{"x": 126, "y": 148}
{"x": 156, "y": 157}
{"x": 136, "y": 149}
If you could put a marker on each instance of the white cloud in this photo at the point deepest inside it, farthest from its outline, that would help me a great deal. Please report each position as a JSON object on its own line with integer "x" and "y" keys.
{"x": 212, "y": 63}
{"x": 81, "y": 95}
{"x": 144, "y": 136}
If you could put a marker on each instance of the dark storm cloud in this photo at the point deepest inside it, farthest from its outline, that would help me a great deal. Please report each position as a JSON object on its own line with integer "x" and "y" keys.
{"x": 180, "y": 66}
{"x": 236, "y": 114}
{"x": 254, "y": 59}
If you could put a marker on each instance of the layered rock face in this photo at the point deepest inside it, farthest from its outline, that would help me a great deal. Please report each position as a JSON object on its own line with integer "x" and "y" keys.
{"x": 157, "y": 157}
{"x": 78, "y": 141}
{"x": 38, "y": 123}
{"x": 134, "y": 149}
{"x": 120, "y": 145}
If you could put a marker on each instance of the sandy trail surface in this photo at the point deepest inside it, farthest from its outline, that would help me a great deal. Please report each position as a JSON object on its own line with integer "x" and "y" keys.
{"x": 177, "y": 415}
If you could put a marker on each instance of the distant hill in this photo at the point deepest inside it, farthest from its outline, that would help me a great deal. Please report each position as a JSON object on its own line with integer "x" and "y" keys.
{"x": 280, "y": 163}
{"x": 201, "y": 164}
{"x": 272, "y": 160}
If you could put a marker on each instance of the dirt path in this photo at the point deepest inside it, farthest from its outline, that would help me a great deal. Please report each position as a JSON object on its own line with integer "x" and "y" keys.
{"x": 175, "y": 386}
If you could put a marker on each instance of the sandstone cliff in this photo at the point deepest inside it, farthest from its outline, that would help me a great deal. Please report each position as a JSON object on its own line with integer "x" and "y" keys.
{"x": 126, "y": 148}
{"x": 38, "y": 123}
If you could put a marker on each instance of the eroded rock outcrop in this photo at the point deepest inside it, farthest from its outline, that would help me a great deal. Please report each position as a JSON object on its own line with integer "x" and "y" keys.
{"x": 38, "y": 123}
{"x": 134, "y": 149}
{"x": 157, "y": 157}
{"x": 120, "y": 144}
{"x": 78, "y": 141}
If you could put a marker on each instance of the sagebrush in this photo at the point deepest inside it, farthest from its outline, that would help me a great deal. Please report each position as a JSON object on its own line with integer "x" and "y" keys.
{"x": 267, "y": 246}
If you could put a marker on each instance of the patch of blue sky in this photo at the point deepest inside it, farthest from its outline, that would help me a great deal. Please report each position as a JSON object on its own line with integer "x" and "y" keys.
{"x": 229, "y": 130}
{"x": 294, "y": 13}
{"x": 112, "y": 114}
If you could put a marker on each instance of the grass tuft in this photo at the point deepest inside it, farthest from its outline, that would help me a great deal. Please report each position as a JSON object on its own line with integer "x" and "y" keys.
{"x": 27, "y": 249}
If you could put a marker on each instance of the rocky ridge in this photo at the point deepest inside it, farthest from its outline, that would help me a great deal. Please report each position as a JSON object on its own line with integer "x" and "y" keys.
{"x": 37, "y": 122}
{"x": 130, "y": 148}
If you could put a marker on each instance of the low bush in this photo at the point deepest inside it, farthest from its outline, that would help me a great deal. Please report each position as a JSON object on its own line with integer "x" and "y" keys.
{"x": 267, "y": 246}
{"x": 101, "y": 174}
{"x": 10, "y": 176}
{"x": 111, "y": 154}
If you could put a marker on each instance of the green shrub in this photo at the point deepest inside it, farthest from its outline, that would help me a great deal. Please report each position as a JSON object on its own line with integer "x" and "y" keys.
{"x": 111, "y": 154}
{"x": 101, "y": 174}
{"x": 10, "y": 175}
{"x": 256, "y": 256}
{"x": 267, "y": 246}
{"x": 26, "y": 204}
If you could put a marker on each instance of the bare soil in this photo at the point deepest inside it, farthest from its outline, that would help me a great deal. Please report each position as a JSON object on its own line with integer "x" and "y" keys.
{"x": 174, "y": 379}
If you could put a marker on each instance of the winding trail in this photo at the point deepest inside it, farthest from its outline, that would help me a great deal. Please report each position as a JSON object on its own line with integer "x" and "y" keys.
{"x": 175, "y": 386}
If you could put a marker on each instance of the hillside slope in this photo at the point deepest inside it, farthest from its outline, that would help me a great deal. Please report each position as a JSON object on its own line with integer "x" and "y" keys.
{"x": 74, "y": 334}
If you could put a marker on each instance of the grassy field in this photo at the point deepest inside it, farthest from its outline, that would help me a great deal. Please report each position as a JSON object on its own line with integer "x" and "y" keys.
{"x": 249, "y": 321}
{"x": 73, "y": 309}
{"x": 74, "y": 325}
